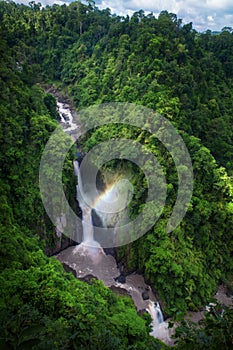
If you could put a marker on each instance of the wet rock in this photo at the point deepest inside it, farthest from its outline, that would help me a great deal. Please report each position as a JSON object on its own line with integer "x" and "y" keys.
{"x": 61, "y": 244}
{"x": 121, "y": 267}
{"x": 88, "y": 278}
{"x": 80, "y": 156}
{"x": 118, "y": 290}
{"x": 96, "y": 220}
{"x": 110, "y": 251}
{"x": 141, "y": 312}
{"x": 145, "y": 295}
{"x": 120, "y": 279}
{"x": 67, "y": 268}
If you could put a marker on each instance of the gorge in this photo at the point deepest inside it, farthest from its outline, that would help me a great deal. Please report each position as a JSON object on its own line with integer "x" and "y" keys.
{"x": 88, "y": 259}
{"x": 61, "y": 287}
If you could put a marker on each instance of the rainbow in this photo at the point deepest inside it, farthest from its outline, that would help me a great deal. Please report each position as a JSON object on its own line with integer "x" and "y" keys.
{"x": 105, "y": 197}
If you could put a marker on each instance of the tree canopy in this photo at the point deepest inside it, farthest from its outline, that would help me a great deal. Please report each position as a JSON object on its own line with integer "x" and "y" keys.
{"x": 93, "y": 57}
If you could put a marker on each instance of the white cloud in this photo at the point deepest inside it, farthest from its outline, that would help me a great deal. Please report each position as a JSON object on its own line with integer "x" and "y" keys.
{"x": 216, "y": 4}
{"x": 205, "y": 14}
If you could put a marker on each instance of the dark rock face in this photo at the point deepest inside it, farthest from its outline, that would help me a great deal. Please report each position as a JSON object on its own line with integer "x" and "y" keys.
{"x": 96, "y": 219}
{"x": 121, "y": 267}
{"x": 120, "y": 279}
{"x": 60, "y": 245}
{"x": 110, "y": 251}
{"x": 67, "y": 268}
{"x": 88, "y": 278}
{"x": 119, "y": 290}
{"x": 79, "y": 156}
{"x": 145, "y": 295}
{"x": 143, "y": 311}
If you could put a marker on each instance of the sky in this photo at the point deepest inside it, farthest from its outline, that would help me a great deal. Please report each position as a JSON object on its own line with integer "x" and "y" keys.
{"x": 204, "y": 14}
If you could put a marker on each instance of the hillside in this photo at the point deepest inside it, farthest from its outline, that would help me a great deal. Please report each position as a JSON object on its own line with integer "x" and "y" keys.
{"x": 94, "y": 57}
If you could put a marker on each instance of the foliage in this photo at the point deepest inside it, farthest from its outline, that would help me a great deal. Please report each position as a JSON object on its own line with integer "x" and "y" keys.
{"x": 96, "y": 57}
{"x": 215, "y": 331}
{"x": 41, "y": 306}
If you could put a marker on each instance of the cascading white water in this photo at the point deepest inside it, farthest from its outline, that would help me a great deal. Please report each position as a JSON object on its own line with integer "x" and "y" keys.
{"x": 120, "y": 190}
{"x": 66, "y": 117}
{"x": 88, "y": 232}
{"x": 160, "y": 328}
{"x": 89, "y": 258}
{"x": 159, "y": 313}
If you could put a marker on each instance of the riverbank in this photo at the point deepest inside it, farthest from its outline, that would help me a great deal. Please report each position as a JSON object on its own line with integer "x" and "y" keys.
{"x": 86, "y": 262}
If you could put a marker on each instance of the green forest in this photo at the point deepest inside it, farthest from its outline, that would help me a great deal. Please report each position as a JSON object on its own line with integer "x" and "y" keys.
{"x": 93, "y": 56}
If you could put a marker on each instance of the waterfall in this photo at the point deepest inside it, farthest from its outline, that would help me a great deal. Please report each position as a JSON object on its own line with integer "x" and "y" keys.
{"x": 66, "y": 117}
{"x": 67, "y": 121}
{"x": 158, "y": 313}
{"x": 154, "y": 315}
{"x": 87, "y": 224}
{"x": 109, "y": 205}
{"x": 88, "y": 258}
{"x": 88, "y": 236}
{"x": 102, "y": 205}
{"x": 160, "y": 327}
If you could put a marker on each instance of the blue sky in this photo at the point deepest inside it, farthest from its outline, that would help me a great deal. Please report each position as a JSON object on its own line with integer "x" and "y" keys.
{"x": 205, "y": 14}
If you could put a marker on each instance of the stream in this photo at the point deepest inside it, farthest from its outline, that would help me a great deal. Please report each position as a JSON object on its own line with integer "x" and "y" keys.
{"x": 88, "y": 259}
